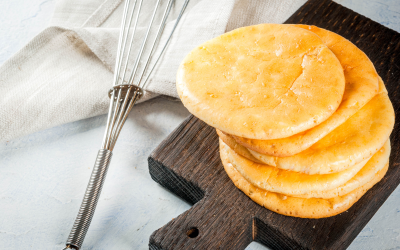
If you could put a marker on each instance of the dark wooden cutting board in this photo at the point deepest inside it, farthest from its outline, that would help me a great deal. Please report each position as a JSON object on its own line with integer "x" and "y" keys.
{"x": 187, "y": 163}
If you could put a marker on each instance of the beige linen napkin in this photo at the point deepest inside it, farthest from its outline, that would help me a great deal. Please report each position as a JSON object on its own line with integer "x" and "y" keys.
{"x": 64, "y": 73}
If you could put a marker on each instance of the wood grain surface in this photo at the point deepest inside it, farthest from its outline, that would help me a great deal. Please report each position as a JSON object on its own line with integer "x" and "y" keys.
{"x": 222, "y": 217}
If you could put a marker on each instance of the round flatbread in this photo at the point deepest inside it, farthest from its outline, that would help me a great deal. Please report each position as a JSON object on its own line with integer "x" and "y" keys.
{"x": 239, "y": 149}
{"x": 286, "y": 182}
{"x": 361, "y": 136}
{"x": 361, "y": 86}
{"x": 265, "y": 81}
{"x": 378, "y": 161}
{"x": 298, "y": 207}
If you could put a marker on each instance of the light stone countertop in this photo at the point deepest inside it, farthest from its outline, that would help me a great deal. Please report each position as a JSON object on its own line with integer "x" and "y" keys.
{"x": 43, "y": 176}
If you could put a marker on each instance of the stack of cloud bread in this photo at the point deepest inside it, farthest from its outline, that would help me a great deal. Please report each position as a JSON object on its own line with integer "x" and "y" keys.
{"x": 302, "y": 116}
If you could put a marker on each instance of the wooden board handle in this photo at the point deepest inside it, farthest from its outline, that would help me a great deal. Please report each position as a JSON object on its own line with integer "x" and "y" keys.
{"x": 212, "y": 223}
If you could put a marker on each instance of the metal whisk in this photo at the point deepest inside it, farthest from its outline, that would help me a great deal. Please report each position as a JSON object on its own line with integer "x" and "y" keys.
{"x": 123, "y": 96}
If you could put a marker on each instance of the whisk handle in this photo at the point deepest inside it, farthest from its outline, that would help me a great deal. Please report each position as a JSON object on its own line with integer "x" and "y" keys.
{"x": 88, "y": 206}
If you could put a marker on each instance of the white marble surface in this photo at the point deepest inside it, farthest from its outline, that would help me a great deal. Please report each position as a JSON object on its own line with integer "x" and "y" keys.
{"x": 43, "y": 176}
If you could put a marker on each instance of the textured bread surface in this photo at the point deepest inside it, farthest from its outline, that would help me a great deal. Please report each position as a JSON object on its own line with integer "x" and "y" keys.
{"x": 361, "y": 136}
{"x": 361, "y": 86}
{"x": 287, "y": 182}
{"x": 275, "y": 71}
{"x": 298, "y": 207}
{"x": 378, "y": 161}
{"x": 239, "y": 149}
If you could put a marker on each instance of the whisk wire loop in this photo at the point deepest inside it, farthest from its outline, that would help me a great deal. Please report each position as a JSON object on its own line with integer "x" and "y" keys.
{"x": 165, "y": 45}
{"x": 159, "y": 32}
{"x": 121, "y": 43}
{"x": 135, "y": 68}
{"x": 122, "y": 110}
{"x": 135, "y": 97}
{"x": 132, "y": 35}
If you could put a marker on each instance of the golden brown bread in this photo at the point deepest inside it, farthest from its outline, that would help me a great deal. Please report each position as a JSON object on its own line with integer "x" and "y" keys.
{"x": 264, "y": 82}
{"x": 366, "y": 174}
{"x": 298, "y": 207}
{"x": 361, "y": 86}
{"x": 287, "y": 182}
{"x": 361, "y": 136}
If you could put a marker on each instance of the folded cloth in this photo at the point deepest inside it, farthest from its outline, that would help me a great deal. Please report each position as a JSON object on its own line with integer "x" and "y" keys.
{"x": 65, "y": 72}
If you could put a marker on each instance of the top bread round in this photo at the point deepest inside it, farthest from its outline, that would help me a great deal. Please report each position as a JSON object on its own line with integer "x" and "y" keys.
{"x": 362, "y": 84}
{"x": 266, "y": 81}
